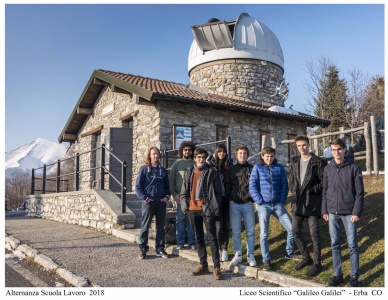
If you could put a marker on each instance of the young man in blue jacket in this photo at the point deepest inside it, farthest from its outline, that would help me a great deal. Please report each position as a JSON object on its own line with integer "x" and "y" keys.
{"x": 268, "y": 187}
{"x": 343, "y": 201}
{"x": 153, "y": 188}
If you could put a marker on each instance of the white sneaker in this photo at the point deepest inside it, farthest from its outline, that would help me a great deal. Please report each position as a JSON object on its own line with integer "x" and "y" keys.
{"x": 251, "y": 260}
{"x": 224, "y": 255}
{"x": 236, "y": 259}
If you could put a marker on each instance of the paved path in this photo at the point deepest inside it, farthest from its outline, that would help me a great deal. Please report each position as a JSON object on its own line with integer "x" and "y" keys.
{"x": 108, "y": 261}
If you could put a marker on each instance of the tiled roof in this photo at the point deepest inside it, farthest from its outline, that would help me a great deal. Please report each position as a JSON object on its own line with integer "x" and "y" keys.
{"x": 178, "y": 90}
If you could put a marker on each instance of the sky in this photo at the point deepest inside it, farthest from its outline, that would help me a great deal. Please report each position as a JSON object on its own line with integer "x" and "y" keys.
{"x": 51, "y": 50}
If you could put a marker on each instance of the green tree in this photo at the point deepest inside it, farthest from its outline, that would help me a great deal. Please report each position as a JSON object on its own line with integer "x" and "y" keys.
{"x": 373, "y": 104}
{"x": 328, "y": 95}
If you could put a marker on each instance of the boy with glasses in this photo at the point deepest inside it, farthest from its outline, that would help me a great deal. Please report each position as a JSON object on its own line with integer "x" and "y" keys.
{"x": 178, "y": 169}
{"x": 343, "y": 201}
{"x": 200, "y": 198}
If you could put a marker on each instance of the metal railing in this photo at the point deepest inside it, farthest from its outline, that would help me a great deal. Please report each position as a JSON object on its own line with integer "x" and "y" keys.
{"x": 103, "y": 171}
{"x": 165, "y": 153}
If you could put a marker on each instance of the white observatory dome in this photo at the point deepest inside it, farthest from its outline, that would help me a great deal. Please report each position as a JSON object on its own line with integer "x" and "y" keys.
{"x": 245, "y": 38}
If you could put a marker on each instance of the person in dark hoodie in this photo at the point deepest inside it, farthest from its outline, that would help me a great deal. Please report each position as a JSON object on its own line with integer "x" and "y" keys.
{"x": 343, "y": 201}
{"x": 200, "y": 199}
{"x": 306, "y": 184}
{"x": 221, "y": 161}
{"x": 241, "y": 205}
{"x": 268, "y": 187}
{"x": 153, "y": 188}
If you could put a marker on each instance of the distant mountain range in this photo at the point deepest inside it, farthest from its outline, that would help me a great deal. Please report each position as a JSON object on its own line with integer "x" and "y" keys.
{"x": 33, "y": 155}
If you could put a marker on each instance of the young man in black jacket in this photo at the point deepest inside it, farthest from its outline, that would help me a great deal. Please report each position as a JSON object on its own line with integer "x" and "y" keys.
{"x": 306, "y": 184}
{"x": 343, "y": 201}
{"x": 241, "y": 205}
{"x": 200, "y": 198}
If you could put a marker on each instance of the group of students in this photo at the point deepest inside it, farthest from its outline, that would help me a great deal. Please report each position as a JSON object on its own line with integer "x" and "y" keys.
{"x": 212, "y": 192}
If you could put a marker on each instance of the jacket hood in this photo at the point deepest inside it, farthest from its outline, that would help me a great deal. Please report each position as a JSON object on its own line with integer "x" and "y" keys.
{"x": 347, "y": 161}
{"x": 211, "y": 159}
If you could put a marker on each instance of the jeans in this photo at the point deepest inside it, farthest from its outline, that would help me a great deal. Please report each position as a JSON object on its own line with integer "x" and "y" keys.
{"x": 246, "y": 212}
{"x": 335, "y": 237}
{"x": 223, "y": 225}
{"x": 278, "y": 210}
{"x": 300, "y": 241}
{"x": 183, "y": 228}
{"x": 197, "y": 218}
{"x": 148, "y": 211}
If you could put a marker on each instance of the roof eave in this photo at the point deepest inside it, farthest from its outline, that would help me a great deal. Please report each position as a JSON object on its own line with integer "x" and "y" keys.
{"x": 320, "y": 122}
{"x": 146, "y": 94}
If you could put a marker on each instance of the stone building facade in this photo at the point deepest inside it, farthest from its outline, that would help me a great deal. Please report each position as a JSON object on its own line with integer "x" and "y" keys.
{"x": 233, "y": 87}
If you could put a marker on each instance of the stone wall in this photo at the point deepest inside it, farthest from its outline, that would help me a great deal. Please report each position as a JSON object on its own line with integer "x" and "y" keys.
{"x": 245, "y": 80}
{"x": 243, "y": 128}
{"x": 145, "y": 130}
{"x": 153, "y": 126}
{"x": 85, "y": 208}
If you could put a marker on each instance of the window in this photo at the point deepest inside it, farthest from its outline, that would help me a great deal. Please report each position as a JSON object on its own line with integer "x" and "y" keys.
{"x": 264, "y": 133}
{"x": 292, "y": 150}
{"x": 221, "y": 132}
{"x": 96, "y": 156}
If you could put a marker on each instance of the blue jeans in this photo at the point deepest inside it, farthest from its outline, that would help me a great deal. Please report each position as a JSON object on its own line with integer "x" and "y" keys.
{"x": 183, "y": 228}
{"x": 246, "y": 212}
{"x": 265, "y": 210}
{"x": 335, "y": 237}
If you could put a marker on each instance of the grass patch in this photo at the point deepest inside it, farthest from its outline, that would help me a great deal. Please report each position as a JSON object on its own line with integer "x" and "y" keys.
{"x": 370, "y": 242}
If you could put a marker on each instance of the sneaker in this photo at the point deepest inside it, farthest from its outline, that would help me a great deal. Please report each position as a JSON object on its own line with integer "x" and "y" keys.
{"x": 217, "y": 274}
{"x": 224, "y": 255}
{"x": 251, "y": 260}
{"x": 236, "y": 259}
{"x": 267, "y": 266}
{"x": 336, "y": 280}
{"x": 305, "y": 262}
{"x": 293, "y": 256}
{"x": 143, "y": 254}
{"x": 314, "y": 270}
{"x": 193, "y": 247}
{"x": 353, "y": 282}
{"x": 201, "y": 270}
{"x": 162, "y": 253}
{"x": 180, "y": 247}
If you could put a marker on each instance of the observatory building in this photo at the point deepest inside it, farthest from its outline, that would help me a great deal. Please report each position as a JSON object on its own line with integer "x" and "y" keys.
{"x": 236, "y": 89}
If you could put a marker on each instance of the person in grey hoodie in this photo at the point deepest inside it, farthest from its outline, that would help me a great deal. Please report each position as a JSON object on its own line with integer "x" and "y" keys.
{"x": 343, "y": 201}
{"x": 184, "y": 230}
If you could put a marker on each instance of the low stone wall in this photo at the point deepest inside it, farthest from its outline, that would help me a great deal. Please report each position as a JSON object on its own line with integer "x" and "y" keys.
{"x": 96, "y": 209}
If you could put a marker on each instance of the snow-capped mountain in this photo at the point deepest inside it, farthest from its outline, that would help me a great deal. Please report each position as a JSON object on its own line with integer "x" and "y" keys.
{"x": 33, "y": 155}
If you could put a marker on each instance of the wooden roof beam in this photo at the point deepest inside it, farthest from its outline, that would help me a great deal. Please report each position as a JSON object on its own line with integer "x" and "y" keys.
{"x": 99, "y": 81}
{"x": 93, "y": 131}
{"x": 116, "y": 89}
{"x": 84, "y": 111}
{"x": 69, "y": 137}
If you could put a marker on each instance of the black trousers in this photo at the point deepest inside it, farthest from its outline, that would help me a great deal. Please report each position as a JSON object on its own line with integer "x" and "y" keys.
{"x": 197, "y": 219}
{"x": 148, "y": 211}
{"x": 223, "y": 225}
{"x": 314, "y": 228}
